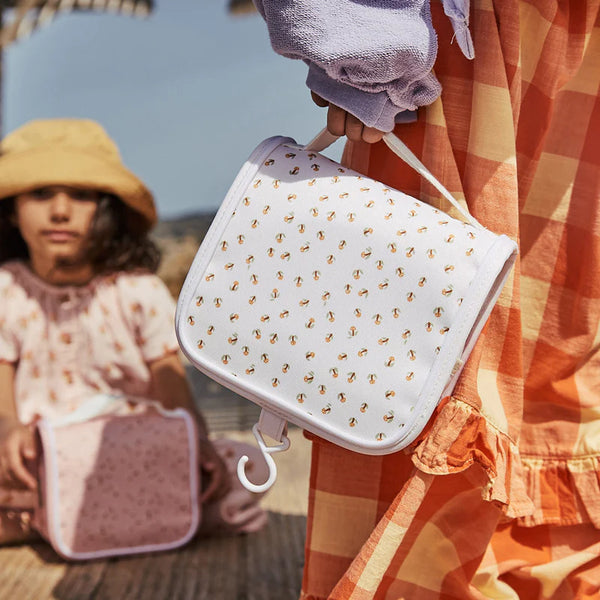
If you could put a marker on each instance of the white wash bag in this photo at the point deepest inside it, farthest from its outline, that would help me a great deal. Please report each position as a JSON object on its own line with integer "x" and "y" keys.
{"x": 336, "y": 302}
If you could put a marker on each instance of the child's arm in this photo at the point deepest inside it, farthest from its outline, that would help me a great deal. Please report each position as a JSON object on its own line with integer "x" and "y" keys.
{"x": 172, "y": 390}
{"x": 16, "y": 440}
{"x": 171, "y": 387}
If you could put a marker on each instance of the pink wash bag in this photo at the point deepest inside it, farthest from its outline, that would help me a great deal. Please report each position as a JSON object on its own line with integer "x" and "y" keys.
{"x": 123, "y": 482}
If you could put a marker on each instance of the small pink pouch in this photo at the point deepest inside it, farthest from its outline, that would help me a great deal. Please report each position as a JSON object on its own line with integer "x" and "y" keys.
{"x": 123, "y": 482}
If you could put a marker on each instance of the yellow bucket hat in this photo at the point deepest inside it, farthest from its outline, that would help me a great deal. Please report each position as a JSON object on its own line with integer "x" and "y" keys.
{"x": 70, "y": 152}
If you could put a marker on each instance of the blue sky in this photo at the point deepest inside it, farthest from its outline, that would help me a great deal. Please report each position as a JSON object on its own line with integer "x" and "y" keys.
{"x": 186, "y": 93}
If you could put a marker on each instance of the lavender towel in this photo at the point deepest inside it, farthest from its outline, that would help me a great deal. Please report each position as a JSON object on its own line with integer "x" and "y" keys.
{"x": 371, "y": 57}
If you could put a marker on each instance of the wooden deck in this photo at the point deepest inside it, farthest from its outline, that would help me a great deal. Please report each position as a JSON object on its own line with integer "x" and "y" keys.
{"x": 263, "y": 566}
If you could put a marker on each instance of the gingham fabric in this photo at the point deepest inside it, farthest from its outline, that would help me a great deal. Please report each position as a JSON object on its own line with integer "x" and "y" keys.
{"x": 516, "y": 134}
{"x": 540, "y": 562}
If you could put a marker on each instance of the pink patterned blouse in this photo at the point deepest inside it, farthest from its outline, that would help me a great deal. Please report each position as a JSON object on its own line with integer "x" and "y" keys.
{"x": 70, "y": 342}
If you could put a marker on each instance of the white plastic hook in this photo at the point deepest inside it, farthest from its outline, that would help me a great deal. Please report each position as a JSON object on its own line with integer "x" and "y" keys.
{"x": 266, "y": 452}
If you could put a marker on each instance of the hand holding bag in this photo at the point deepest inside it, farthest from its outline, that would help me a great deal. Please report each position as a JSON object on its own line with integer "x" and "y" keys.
{"x": 336, "y": 302}
{"x": 117, "y": 480}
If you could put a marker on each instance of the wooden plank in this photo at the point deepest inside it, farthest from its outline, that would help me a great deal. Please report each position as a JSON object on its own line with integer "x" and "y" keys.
{"x": 29, "y": 572}
{"x": 80, "y": 580}
{"x": 275, "y": 558}
{"x": 263, "y": 566}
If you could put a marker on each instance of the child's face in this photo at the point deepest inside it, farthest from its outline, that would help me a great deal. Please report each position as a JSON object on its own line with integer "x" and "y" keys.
{"x": 54, "y": 221}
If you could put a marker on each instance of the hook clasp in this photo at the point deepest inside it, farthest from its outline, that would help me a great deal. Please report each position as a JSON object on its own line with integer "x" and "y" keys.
{"x": 266, "y": 452}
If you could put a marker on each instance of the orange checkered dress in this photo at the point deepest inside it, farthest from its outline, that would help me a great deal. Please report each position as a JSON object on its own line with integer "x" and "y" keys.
{"x": 499, "y": 498}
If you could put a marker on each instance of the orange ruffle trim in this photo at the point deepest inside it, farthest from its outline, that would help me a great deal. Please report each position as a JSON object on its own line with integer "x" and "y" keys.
{"x": 534, "y": 490}
{"x": 458, "y": 437}
{"x": 566, "y": 491}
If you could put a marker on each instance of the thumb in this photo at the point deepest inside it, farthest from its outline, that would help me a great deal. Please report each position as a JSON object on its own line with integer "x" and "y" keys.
{"x": 28, "y": 447}
{"x": 318, "y": 100}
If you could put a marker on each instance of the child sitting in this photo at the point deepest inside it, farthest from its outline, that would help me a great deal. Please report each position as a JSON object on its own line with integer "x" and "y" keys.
{"x": 81, "y": 311}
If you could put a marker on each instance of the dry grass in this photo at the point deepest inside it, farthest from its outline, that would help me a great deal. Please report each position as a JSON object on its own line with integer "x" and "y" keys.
{"x": 177, "y": 256}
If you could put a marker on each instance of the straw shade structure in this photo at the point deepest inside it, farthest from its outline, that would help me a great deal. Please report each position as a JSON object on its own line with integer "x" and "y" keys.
{"x": 25, "y": 16}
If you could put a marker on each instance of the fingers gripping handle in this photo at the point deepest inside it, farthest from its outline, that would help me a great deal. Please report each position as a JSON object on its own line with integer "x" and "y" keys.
{"x": 266, "y": 452}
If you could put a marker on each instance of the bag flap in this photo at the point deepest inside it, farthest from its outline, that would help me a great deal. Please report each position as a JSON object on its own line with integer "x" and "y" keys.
{"x": 336, "y": 302}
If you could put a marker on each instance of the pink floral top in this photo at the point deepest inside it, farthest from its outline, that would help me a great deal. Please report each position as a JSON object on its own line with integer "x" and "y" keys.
{"x": 71, "y": 342}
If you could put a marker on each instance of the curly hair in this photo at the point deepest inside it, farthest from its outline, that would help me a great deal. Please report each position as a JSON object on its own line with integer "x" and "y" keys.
{"x": 118, "y": 239}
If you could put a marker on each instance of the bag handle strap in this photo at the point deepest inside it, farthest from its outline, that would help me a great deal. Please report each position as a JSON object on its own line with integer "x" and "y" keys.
{"x": 324, "y": 139}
